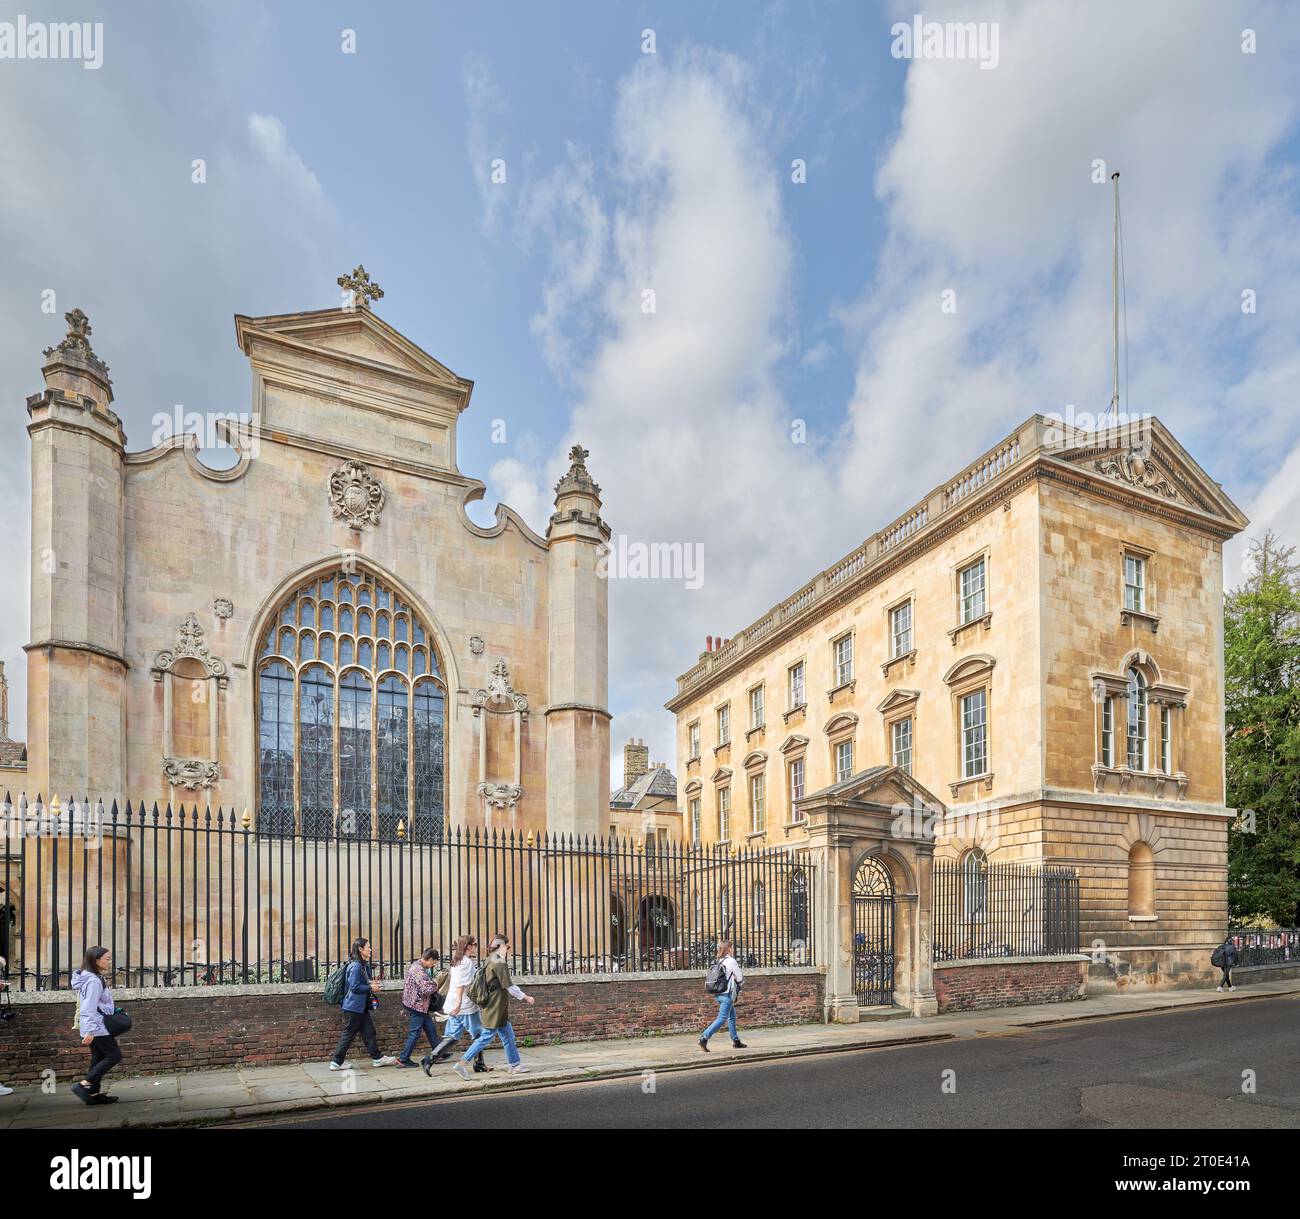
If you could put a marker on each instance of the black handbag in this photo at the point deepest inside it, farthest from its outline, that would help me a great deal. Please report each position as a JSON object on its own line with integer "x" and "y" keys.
{"x": 117, "y": 1023}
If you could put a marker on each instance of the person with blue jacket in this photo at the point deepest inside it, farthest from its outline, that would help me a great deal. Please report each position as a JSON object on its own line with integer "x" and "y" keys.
{"x": 94, "y": 1002}
{"x": 357, "y": 999}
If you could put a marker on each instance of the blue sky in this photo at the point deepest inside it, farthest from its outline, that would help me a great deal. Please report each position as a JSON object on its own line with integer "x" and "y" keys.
{"x": 776, "y": 301}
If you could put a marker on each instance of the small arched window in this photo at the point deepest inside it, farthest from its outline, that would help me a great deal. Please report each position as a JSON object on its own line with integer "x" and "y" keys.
{"x": 975, "y": 883}
{"x": 1141, "y": 882}
{"x": 1137, "y": 720}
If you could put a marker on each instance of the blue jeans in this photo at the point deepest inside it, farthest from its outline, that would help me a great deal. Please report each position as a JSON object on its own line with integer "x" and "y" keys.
{"x": 417, "y": 1023}
{"x": 459, "y": 1026}
{"x": 485, "y": 1038}
{"x": 726, "y": 1015}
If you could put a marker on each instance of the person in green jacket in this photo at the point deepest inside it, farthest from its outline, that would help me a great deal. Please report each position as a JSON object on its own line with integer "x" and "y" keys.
{"x": 495, "y": 1013}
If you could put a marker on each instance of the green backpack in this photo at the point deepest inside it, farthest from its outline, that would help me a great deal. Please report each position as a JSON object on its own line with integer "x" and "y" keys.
{"x": 336, "y": 985}
{"x": 482, "y": 988}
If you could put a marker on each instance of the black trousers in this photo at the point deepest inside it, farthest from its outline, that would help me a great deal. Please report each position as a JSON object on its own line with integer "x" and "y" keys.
{"x": 105, "y": 1054}
{"x": 1227, "y": 976}
{"x": 357, "y": 1022}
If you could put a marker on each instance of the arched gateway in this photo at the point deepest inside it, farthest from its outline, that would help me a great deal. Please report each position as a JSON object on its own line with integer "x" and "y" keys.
{"x": 873, "y": 933}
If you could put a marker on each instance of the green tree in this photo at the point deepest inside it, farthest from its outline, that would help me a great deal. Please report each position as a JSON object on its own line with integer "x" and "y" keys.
{"x": 1262, "y": 679}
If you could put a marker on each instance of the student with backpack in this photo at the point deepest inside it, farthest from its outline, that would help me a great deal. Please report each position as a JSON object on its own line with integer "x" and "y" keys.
{"x": 358, "y": 999}
{"x": 462, "y": 1012}
{"x": 1225, "y": 957}
{"x": 420, "y": 1001}
{"x": 491, "y": 990}
{"x": 724, "y": 982}
{"x": 99, "y": 1021}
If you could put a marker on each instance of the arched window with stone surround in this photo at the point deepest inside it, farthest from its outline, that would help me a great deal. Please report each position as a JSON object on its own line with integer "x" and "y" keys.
{"x": 351, "y": 706}
{"x": 975, "y": 883}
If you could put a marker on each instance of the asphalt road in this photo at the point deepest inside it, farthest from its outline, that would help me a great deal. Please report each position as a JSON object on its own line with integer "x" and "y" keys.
{"x": 1171, "y": 1070}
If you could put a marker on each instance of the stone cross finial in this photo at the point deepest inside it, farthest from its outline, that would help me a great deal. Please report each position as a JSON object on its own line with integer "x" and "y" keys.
{"x": 361, "y": 289}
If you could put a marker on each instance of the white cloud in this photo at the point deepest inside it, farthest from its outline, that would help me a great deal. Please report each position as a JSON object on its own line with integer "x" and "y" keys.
{"x": 98, "y": 204}
{"x": 987, "y": 192}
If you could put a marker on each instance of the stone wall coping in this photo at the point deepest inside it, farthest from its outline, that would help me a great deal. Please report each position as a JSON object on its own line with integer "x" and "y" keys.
{"x": 975, "y": 961}
{"x": 392, "y": 988}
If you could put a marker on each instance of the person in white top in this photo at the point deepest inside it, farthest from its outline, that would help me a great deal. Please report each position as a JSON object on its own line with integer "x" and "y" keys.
{"x": 726, "y": 1000}
{"x": 462, "y": 1011}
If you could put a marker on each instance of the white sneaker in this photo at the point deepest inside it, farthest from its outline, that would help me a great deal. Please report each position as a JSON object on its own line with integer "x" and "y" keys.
{"x": 386, "y": 1061}
{"x": 517, "y": 1069}
{"x": 5, "y": 1091}
{"x": 1220, "y": 988}
{"x": 463, "y": 1071}
{"x": 1232, "y": 988}
{"x": 338, "y": 1066}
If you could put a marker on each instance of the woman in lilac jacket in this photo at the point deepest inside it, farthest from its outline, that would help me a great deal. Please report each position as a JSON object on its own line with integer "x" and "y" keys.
{"x": 96, "y": 1002}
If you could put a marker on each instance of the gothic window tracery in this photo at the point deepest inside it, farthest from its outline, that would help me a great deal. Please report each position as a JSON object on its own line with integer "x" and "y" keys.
{"x": 351, "y": 715}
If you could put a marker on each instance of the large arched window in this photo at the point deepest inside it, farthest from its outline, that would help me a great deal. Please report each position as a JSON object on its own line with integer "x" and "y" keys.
{"x": 351, "y": 710}
{"x": 1137, "y": 720}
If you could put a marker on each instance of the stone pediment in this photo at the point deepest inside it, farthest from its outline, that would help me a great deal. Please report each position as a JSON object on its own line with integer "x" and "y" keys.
{"x": 351, "y": 335}
{"x": 881, "y": 785}
{"x": 1145, "y": 457}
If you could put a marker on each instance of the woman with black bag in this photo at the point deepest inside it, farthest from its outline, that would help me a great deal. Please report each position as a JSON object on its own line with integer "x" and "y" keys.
{"x": 100, "y": 1023}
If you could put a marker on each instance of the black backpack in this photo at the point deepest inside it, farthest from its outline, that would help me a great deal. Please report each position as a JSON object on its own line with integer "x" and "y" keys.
{"x": 1216, "y": 957}
{"x": 716, "y": 980}
{"x": 336, "y": 985}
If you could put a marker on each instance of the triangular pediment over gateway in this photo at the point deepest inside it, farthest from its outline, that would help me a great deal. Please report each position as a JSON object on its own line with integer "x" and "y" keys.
{"x": 881, "y": 785}
{"x": 1142, "y": 455}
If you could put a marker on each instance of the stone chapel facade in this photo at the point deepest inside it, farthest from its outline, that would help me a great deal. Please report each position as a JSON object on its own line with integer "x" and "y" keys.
{"x": 319, "y": 632}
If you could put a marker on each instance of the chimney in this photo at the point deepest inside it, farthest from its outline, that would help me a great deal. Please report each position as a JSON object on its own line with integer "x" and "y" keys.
{"x": 636, "y": 761}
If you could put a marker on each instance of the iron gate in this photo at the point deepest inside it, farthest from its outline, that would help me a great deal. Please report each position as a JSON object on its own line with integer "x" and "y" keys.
{"x": 873, "y": 933}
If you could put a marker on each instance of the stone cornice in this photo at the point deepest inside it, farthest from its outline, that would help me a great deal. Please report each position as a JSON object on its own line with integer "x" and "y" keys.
{"x": 1037, "y": 465}
{"x": 579, "y": 707}
{"x": 72, "y": 645}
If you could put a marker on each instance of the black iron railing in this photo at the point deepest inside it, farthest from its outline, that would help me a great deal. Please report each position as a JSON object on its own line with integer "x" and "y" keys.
{"x": 984, "y": 910}
{"x": 1265, "y": 947}
{"x": 191, "y": 896}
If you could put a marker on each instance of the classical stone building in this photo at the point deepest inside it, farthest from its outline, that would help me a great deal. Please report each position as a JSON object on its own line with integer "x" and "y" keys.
{"x": 319, "y": 633}
{"x": 1039, "y": 641}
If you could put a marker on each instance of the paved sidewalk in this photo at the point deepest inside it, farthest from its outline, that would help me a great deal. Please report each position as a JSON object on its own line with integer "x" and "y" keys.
{"x": 259, "y": 1092}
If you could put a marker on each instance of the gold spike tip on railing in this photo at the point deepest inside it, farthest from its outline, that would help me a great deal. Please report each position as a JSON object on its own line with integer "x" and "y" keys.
{"x": 530, "y": 837}
{"x": 247, "y": 819}
{"x": 55, "y": 807}
{"x": 401, "y": 830}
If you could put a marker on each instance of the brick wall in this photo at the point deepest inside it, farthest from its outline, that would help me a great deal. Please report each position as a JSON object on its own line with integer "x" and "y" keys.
{"x": 967, "y": 986}
{"x": 200, "y": 1029}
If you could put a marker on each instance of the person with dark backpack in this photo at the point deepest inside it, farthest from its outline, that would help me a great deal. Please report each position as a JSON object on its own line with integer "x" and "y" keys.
{"x": 724, "y": 982}
{"x": 1225, "y": 957}
{"x": 357, "y": 999}
{"x": 491, "y": 991}
{"x": 462, "y": 1011}
{"x": 99, "y": 1021}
